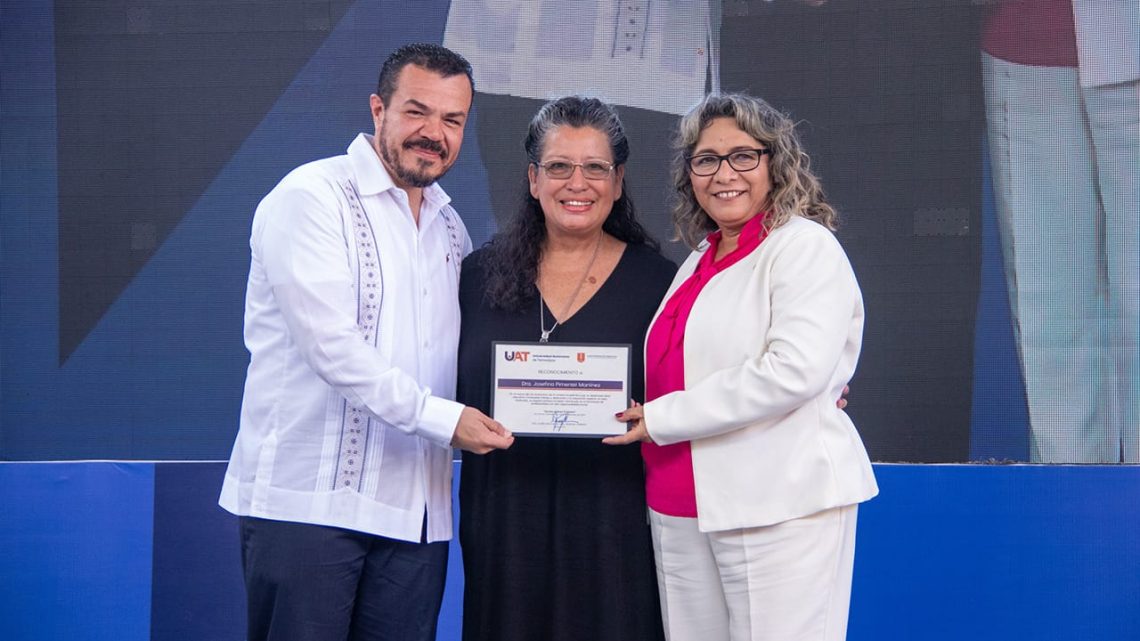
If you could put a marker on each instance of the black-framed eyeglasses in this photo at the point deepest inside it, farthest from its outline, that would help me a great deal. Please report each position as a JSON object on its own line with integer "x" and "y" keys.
{"x": 739, "y": 160}
{"x": 563, "y": 169}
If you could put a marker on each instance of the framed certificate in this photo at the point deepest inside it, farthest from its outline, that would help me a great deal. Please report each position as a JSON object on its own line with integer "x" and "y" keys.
{"x": 560, "y": 389}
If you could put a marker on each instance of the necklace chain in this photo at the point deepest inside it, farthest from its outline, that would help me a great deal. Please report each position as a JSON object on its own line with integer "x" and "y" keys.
{"x": 545, "y": 337}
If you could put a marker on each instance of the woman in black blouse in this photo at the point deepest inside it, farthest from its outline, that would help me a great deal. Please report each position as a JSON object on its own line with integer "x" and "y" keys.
{"x": 553, "y": 530}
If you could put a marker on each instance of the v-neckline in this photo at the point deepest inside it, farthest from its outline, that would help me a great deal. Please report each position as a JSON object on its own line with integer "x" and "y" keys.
{"x": 560, "y": 323}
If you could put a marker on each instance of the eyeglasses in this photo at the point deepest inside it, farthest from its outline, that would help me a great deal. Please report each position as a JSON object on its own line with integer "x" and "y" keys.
{"x": 563, "y": 169}
{"x": 741, "y": 160}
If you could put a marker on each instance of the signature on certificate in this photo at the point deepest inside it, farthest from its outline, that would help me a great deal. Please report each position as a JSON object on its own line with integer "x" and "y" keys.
{"x": 558, "y": 421}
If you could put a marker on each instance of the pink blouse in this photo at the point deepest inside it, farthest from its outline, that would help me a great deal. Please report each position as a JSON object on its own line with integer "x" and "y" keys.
{"x": 669, "y": 487}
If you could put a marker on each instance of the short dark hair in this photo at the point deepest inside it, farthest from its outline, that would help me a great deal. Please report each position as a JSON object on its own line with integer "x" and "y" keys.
{"x": 430, "y": 56}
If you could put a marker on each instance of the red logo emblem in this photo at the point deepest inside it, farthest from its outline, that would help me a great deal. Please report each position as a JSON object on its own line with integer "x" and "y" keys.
{"x": 581, "y": 357}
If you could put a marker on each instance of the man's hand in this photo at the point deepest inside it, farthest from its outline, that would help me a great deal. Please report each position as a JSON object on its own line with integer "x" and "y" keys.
{"x": 842, "y": 402}
{"x": 476, "y": 432}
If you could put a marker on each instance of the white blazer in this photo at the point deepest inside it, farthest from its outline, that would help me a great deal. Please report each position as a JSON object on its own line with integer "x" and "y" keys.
{"x": 769, "y": 345}
{"x": 1108, "y": 41}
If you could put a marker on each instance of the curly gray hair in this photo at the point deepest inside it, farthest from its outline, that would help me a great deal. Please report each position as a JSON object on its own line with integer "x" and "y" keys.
{"x": 796, "y": 191}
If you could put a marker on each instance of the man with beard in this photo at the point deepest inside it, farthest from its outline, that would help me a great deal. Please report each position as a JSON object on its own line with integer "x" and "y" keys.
{"x": 341, "y": 472}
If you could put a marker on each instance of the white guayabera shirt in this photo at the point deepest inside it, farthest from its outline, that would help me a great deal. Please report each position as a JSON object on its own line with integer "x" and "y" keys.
{"x": 352, "y": 323}
{"x": 653, "y": 55}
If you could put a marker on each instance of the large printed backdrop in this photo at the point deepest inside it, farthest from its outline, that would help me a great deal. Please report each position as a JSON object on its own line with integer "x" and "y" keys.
{"x": 138, "y": 138}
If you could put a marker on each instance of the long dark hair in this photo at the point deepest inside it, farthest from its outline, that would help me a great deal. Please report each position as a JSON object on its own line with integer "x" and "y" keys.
{"x": 510, "y": 259}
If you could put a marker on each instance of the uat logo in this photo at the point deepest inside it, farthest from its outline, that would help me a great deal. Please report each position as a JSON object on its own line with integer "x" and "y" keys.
{"x": 517, "y": 356}
{"x": 581, "y": 357}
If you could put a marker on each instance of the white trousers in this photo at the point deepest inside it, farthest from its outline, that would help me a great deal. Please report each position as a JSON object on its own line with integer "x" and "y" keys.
{"x": 785, "y": 582}
{"x": 1066, "y": 172}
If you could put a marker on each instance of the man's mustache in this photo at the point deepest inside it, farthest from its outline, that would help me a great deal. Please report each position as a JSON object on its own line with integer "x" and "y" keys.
{"x": 430, "y": 145}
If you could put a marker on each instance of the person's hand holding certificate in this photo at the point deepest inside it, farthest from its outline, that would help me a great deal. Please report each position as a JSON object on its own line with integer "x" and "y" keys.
{"x": 560, "y": 389}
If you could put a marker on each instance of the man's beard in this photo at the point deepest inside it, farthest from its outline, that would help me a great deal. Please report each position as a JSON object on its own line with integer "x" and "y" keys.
{"x": 418, "y": 176}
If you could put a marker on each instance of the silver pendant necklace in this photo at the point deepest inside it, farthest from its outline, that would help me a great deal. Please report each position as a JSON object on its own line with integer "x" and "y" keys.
{"x": 545, "y": 337}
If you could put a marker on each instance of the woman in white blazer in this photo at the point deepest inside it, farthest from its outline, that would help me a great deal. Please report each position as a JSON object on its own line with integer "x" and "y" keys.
{"x": 753, "y": 474}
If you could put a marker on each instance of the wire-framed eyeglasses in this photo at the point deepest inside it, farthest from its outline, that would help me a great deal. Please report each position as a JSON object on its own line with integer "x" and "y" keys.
{"x": 739, "y": 160}
{"x": 563, "y": 169}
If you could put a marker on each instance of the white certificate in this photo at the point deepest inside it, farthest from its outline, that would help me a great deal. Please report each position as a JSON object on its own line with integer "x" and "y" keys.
{"x": 560, "y": 389}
